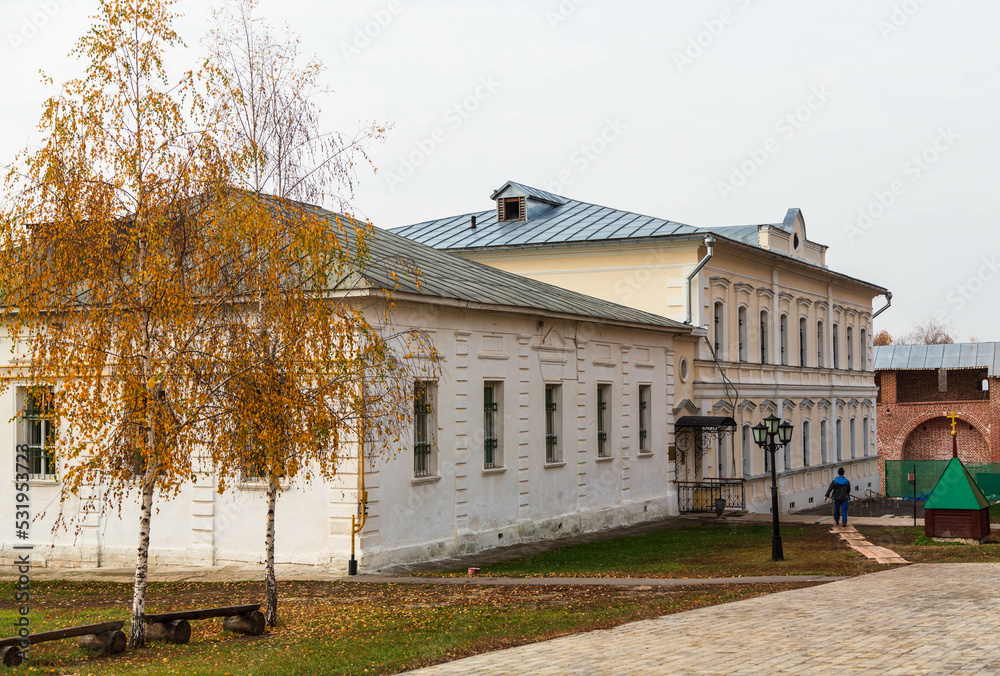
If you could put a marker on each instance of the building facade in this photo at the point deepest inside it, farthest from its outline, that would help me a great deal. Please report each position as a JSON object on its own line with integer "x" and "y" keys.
{"x": 774, "y": 330}
{"x": 551, "y": 415}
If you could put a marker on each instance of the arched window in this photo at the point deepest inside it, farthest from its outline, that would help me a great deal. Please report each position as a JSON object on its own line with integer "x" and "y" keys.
{"x": 763, "y": 336}
{"x": 852, "y": 429}
{"x": 836, "y": 347}
{"x": 805, "y": 443}
{"x": 803, "y": 347}
{"x": 820, "y": 345}
{"x": 719, "y": 329}
{"x": 783, "y": 342}
{"x": 747, "y": 446}
{"x": 838, "y": 442}
{"x": 850, "y": 347}
{"x": 824, "y": 442}
{"x": 742, "y": 331}
{"x": 866, "y": 436}
{"x": 863, "y": 350}
{"x": 788, "y": 450}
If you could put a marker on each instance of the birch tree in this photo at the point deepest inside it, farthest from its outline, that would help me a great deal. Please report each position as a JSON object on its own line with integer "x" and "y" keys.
{"x": 264, "y": 92}
{"x": 159, "y": 297}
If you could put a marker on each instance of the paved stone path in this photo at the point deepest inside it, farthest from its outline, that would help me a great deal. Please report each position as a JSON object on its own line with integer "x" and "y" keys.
{"x": 856, "y": 541}
{"x": 920, "y": 619}
{"x": 597, "y": 581}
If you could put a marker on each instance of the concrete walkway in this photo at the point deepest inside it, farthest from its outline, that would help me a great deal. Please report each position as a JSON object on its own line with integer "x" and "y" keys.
{"x": 920, "y": 619}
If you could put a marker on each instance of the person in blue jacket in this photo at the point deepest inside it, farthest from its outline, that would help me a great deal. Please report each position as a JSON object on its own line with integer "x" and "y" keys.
{"x": 840, "y": 488}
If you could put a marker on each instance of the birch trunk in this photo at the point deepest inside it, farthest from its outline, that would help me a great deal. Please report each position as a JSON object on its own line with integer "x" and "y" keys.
{"x": 270, "y": 583}
{"x": 137, "y": 634}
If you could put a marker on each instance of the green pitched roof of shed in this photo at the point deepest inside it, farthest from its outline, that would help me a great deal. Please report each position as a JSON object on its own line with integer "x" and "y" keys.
{"x": 956, "y": 489}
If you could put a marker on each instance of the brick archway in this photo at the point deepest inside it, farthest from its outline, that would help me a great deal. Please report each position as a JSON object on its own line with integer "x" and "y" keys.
{"x": 895, "y": 448}
{"x": 930, "y": 439}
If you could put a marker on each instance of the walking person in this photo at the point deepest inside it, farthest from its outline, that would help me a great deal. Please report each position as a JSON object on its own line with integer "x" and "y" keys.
{"x": 840, "y": 488}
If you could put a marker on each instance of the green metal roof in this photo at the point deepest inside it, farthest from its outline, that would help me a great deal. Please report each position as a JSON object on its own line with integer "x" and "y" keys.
{"x": 956, "y": 489}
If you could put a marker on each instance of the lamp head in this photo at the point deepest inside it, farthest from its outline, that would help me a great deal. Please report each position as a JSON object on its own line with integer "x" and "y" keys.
{"x": 759, "y": 434}
{"x": 785, "y": 431}
{"x": 772, "y": 424}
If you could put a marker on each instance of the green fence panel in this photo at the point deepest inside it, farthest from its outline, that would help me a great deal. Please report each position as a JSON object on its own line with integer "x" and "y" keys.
{"x": 897, "y": 484}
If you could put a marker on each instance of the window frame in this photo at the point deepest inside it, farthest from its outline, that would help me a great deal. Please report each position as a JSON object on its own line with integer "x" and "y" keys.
{"x": 553, "y": 428}
{"x": 41, "y": 457}
{"x": 645, "y": 418}
{"x": 424, "y": 429}
{"x": 493, "y": 423}
{"x": 765, "y": 318}
{"x": 603, "y": 420}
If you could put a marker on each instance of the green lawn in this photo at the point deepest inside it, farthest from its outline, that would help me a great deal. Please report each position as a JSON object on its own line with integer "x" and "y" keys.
{"x": 344, "y": 628}
{"x": 698, "y": 550}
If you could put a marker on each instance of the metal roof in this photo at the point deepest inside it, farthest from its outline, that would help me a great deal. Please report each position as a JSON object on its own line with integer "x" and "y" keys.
{"x": 554, "y": 219}
{"x": 927, "y": 357}
{"x": 445, "y": 275}
{"x": 566, "y": 220}
{"x": 956, "y": 489}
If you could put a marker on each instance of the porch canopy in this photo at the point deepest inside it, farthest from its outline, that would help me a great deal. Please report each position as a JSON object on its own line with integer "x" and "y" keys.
{"x": 706, "y": 423}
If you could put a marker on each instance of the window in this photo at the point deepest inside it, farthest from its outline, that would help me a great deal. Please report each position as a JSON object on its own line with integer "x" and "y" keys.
{"x": 552, "y": 451}
{"x": 865, "y": 436}
{"x": 852, "y": 429}
{"x": 717, "y": 325}
{"x": 803, "y": 347}
{"x": 725, "y": 453}
{"x": 788, "y": 451}
{"x": 747, "y": 445}
{"x": 863, "y": 350}
{"x": 805, "y": 443}
{"x": 838, "y": 442}
{"x": 644, "y": 417}
{"x": 836, "y": 347}
{"x": 824, "y": 442}
{"x": 783, "y": 336}
{"x": 763, "y": 336}
{"x": 820, "y": 345}
{"x": 253, "y": 470}
{"x": 741, "y": 315}
{"x": 38, "y": 431}
{"x": 492, "y": 424}
{"x": 423, "y": 428}
{"x": 603, "y": 399}
{"x": 850, "y": 347}
{"x": 767, "y": 462}
{"x": 510, "y": 209}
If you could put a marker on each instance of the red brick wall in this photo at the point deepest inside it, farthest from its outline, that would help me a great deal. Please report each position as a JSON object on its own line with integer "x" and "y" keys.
{"x": 897, "y": 422}
{"x": 931, "y": 440}
{"x": 963, "y": 385}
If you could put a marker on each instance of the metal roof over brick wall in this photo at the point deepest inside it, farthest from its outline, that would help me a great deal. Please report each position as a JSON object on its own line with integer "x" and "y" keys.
{"x": 928, "y": 357}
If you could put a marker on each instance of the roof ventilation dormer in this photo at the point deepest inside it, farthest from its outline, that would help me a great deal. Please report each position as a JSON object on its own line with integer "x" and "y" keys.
{"x": 510, "y": 209}
{"x": 516, "y": 202}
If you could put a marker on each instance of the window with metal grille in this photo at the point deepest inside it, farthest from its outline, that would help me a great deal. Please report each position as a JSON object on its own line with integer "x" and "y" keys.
{"x": 603, "y": 395}
{"x": 718, "y": 329}
{"x": 741, "y": 316}
{"x": 39, "y": 431}
{"x": 820, "y": 343}
{"x": 803, "y": 359}
{"x": 850, "y": 347}
{"x": 492, "y": 396}
{"x": 783, "y": 338}
{"x": 423, "y": 428}
{"x": 552, "y": 423}
{"x": 836, "y": 346}
{"x": 644, "y": 418}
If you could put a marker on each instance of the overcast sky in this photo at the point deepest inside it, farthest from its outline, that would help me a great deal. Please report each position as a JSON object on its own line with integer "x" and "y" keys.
{"x": 877, "y": 119}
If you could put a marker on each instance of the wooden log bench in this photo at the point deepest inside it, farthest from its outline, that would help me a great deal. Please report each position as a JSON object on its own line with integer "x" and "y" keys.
{"x": 176, "y": 627}
{"x": 106, "y": 637}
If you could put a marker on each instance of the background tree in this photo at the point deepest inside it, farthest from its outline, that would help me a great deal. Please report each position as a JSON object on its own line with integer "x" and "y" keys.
{"x": 285, "y": 421}
{"x": 883, "y": 337}
{"x": 931, "y": 331}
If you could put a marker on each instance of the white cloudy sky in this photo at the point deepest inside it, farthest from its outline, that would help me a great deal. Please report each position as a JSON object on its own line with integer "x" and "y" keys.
{"x": 717, "y": 113}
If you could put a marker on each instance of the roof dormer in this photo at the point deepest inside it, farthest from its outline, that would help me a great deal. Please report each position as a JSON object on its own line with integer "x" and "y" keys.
{"x": 516, "y": 202}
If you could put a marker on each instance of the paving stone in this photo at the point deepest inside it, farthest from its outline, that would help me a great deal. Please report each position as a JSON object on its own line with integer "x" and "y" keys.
{"x": 919, "y": 619}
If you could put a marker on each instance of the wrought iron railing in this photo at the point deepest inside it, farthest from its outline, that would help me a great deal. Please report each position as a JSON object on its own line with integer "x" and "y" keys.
{"x": 700, "y": 496}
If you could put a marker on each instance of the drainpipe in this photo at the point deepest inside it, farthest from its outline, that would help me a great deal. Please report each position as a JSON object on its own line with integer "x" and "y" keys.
{"x": 888, "y": 302}
{"x": 709, "y": 244}
{"x": 358, "y": 521}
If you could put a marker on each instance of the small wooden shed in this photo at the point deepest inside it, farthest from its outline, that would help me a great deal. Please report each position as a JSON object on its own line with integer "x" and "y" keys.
{"x": 957, "y": 507}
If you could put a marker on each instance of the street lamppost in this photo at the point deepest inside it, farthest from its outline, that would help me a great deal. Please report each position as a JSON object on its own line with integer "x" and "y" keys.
{"x": 771, "y": 435}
